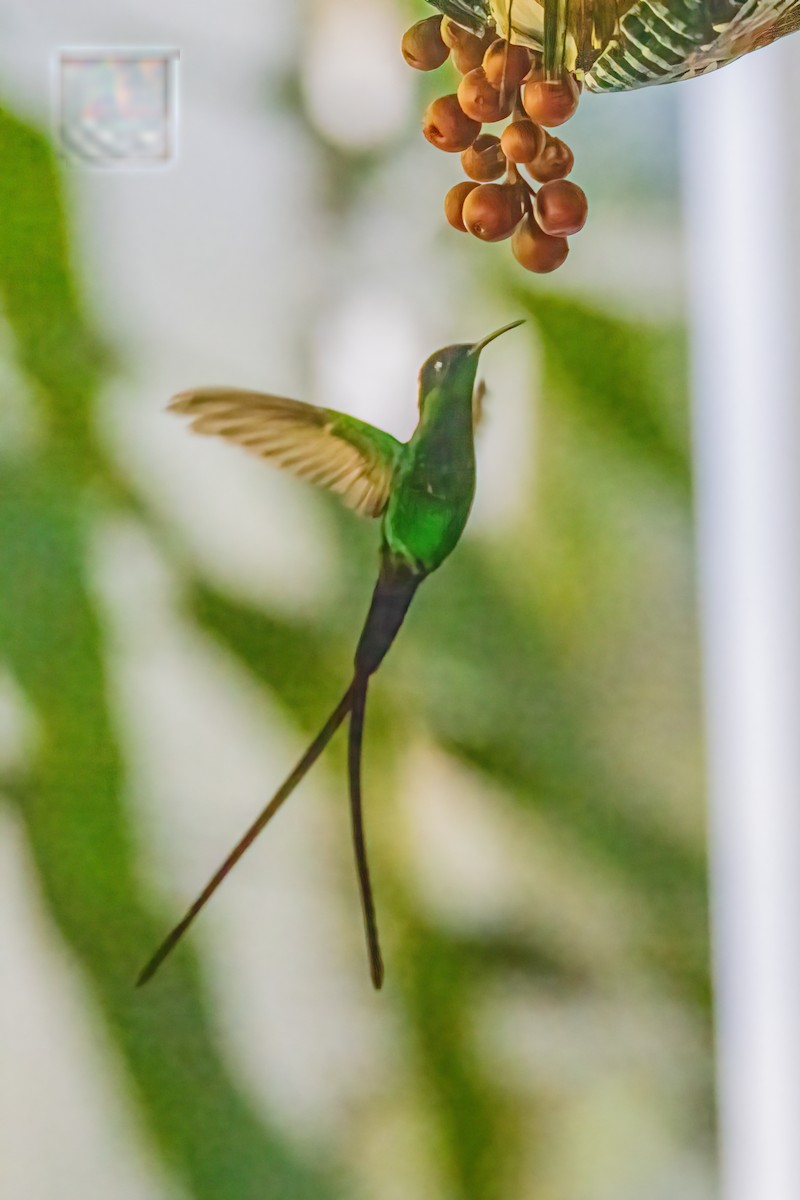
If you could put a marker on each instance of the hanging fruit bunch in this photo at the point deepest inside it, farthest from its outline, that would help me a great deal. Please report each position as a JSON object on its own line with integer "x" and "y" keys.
{"x": 516, "y": 185}
{"x": 525, "y": 60}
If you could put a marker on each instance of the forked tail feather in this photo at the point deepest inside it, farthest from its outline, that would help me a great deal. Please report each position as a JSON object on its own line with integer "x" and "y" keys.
{"x": 393, "y": 593}
{"x": 284, "y": 791}
{"x": 359, "y": 702}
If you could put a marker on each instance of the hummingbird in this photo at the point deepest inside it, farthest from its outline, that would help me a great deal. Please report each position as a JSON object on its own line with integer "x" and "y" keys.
{"x": 421, "y": 489}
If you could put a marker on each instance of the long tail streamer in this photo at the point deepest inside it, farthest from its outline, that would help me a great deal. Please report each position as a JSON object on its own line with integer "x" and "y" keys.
{"x": 284, "y": 791}
{"x": 359, "y": 703}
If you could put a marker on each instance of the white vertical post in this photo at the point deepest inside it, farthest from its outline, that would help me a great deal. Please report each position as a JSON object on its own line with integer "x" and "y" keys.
{"x": 741, "y": 160}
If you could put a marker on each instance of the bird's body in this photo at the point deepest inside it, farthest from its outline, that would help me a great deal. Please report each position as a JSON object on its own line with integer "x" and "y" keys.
{"x": 423, "y": 491}
{"x": 434, "y": 482}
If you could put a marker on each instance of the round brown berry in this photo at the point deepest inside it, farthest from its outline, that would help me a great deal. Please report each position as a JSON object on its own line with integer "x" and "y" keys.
{"x": 446, "y": 125}
{"x": 537, "y": 70}
{"x": 423, "y": 46}
{"x": 561, "y": 208}
{"x": 492, "y": 211}
{"x": 468, "y": 51}
{"x": 555, "y": 161}
{"x": 506, "y": 65}
{"x": 537, "y": 251}
{"x": 551, "y": 101}
{"x": 456, "y": 36}
{"x": 480, "y": 100}
{"x": 484, "y": 160}
{"x": 465, "y": 60}
{"x": 454, "y": 204}
{"x": 522, "y": 141}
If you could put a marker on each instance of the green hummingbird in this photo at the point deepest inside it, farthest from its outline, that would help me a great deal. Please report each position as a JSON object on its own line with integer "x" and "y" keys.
{"x": 422, "y": 489}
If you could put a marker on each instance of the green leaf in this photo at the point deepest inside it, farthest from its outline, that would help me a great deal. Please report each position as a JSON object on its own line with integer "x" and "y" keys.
{"x": 54, "y": 344}
{"x": 72, "y": 802}
{"x": 472, "y": 1123}
{"x": 625, "y": 379}
{"x": 73, "y": 811}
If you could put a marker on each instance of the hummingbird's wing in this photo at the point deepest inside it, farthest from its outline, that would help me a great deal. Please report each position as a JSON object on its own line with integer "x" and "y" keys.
{"x": 328, "y": 448}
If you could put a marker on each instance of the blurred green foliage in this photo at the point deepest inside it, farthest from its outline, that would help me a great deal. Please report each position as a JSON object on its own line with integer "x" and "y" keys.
{"x": 513, "y": 661}
{"x": 72, "y": 803}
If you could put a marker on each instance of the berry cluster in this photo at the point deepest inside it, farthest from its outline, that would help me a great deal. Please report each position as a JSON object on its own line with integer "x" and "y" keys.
{"x": 500, "y": 80}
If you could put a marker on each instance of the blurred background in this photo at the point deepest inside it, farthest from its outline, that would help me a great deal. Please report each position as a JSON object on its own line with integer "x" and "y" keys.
{"x": 176, "y": 620}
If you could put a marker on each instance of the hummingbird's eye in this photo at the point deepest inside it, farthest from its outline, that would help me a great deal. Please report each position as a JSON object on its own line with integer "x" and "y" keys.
{"x": 437, "y": 366}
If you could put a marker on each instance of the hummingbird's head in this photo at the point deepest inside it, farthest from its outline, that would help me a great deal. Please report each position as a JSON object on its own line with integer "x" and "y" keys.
{"x": 454, "y": 367}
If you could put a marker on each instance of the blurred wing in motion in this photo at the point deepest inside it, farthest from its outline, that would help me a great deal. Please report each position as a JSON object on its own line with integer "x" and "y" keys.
{"x": 328, "y": 448}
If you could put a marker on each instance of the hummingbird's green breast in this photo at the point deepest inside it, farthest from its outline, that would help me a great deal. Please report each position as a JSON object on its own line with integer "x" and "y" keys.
{"x": 434, "y": 488}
